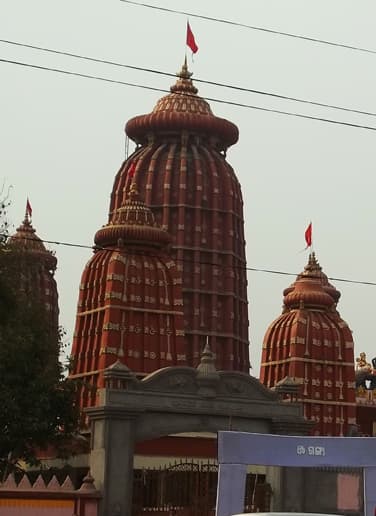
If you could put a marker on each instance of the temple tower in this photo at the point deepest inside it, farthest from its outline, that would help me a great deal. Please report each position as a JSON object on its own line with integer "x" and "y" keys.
{"x": 130, "y": 302}
{"x": 181, "y": 170}
{"x": 311, "y": 344}
{"x": 37, "y": 267}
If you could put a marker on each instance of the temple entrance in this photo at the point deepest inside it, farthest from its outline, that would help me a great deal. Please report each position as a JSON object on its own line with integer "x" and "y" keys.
{"x": 187, "y": 488}
{"x": 173, "y": 401}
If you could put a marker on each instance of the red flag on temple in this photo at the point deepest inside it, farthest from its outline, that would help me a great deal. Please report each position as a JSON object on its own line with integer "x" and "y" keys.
{"x": 29, "y": 210}
{"x": 191, "y": 43}
{"x": 308, "y": 235}
{"x": 132, "y": 170}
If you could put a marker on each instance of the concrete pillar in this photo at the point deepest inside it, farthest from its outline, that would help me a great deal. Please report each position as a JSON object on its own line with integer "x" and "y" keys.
{"x": 231, "y": 489}
{"x": 369, "y": 491}
{"x": 293, "y": 489}
{"x": 111, "y": 458}
{"x": 274, "y": 478}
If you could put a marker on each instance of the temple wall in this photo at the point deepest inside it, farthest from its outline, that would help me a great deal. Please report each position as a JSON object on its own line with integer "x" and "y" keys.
{"x": 52, "y": 499}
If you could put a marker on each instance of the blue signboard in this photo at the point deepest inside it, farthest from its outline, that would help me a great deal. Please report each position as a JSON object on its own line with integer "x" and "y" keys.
{"x": 238, "y": 449}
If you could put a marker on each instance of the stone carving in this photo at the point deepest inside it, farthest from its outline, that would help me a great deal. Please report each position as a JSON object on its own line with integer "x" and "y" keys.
{"x": 365, "y": 373}
{"x": 171, "y": 379}
{"x": 240, "y": 385}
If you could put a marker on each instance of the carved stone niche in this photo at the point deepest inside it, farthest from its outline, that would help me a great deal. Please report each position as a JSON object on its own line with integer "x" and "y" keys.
{"x": 181, "y": 380}
{"x": 119, "y": 376}
{"x": 241, "y": 385}
{"x": 287, "y": 389}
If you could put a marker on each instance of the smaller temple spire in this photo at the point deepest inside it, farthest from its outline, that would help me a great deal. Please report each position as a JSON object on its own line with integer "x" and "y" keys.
{"x": 207, "y": 375}
{"x": 134, "y": 223}
{"x": 28, "y": 212}
{"x": 207, "y": 362}
{"x": 184, "y": 84}
{"x": 184, "y": 72}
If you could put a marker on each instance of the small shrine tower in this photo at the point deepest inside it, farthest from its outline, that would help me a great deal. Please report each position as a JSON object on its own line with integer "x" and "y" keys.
{"x": 37, "y": 268}
{"x": 130, "y": 306}
{"x": 311, "y": 344}
{"x": 183, "y": 175}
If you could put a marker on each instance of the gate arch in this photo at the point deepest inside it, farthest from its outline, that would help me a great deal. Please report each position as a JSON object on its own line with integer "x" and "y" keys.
{"x": 174, "y": 400}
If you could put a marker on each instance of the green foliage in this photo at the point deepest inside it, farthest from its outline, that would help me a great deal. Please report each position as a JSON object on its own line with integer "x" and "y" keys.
{"x": 37, "y": 400}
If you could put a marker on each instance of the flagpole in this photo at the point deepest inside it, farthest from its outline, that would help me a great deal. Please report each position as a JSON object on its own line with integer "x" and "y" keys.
{"x": 185, "y": 43}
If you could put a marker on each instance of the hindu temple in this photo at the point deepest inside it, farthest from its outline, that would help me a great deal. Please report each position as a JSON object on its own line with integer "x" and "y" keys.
{"x": 309, "y": 344}
{"x": 168, "y": 271}
{"x": 182, "y": 173}
{"x": 38, "y": 271}
{"x": 130, "y": 302}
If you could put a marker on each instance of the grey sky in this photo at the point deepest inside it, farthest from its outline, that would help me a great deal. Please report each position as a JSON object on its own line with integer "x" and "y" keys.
{"x": 62, "y": 138}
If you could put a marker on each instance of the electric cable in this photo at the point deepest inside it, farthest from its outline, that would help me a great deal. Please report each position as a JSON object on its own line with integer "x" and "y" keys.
{"x": 252, "y": 27}
{"x": 252, "y": 269}
{"x": 196, "y": 80}
{"x": 211, "y": 99}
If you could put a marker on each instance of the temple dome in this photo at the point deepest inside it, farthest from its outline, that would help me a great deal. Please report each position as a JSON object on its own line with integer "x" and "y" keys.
{"x": 310, "y": 343}
{"x": 183, "y": 110}
{"x": 184, "y": 177}
{"x": 36, "y": 266}
{"x": 132, "y": 223}
{"x": 26, "y": 239}
{"x": 130, "y": 306}
{"x": 311, "y": 289}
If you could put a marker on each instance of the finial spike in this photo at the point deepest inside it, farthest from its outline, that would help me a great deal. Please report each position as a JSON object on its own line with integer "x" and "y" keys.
{"x": 184, "y": 72}
{"x": 28, "y": 211}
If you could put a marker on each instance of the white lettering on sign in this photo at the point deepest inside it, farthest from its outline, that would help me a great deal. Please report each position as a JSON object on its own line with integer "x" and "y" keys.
{"x": 310, "y": 450}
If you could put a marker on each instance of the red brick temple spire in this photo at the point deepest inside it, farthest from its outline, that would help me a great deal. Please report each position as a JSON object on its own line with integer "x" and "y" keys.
{"x": 310, "y": 343}
{"x": 38, "y": 268}
{"x": 130, "y": 302}
{"x": 184, "y": 177}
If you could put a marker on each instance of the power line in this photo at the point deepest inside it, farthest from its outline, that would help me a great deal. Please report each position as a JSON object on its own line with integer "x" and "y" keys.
{"x": 211, "y": 99}
{"x": 252, "y": 269}
{"x": 83, "y": 75}
{"x": 197, "y": 80}
{"x": 252, "y": 27}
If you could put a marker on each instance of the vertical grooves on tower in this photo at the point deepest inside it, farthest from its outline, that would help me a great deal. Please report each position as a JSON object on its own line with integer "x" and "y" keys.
{"x": 319, "y": 346}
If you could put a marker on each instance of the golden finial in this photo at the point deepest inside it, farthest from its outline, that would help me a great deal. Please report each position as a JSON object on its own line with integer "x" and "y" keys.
{"x": 184, "y": 72}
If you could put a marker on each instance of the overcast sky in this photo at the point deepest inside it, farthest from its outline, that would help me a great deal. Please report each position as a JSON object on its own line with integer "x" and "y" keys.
{"x": 62, "y": 138}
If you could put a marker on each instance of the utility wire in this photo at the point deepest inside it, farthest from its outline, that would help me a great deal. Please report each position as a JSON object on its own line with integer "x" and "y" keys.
{"x": 211, "y": 99}
{"x": 253, "y": 269}
{"x": 197, "y": 80}
{"x": 252, "y": 27}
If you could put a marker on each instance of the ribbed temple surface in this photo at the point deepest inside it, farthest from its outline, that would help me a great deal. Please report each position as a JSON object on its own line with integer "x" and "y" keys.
{"x": 311, "y": 344}
{"x": 181, "y": 171}
{"x": 132, "y": 223}
{"x": 183, "y": 110}
{"x": 26, "y": 239}
{"x": 130, "y": 306}
{"x": 38, "y": 266}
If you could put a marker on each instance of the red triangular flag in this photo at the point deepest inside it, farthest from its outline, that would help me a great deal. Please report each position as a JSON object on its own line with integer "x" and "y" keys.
{"x": 29, "y": 210}
{"x": 132, "y": 170}
{"x": 191, "y": 43}
{"x": 308, "y": 235}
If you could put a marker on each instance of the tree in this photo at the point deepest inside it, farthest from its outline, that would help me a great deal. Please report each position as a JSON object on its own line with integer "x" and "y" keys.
{"x": 37, "y": 400}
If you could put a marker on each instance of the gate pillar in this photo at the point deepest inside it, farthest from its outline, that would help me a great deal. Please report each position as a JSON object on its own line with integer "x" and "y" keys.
{"x": 111, "y": 458}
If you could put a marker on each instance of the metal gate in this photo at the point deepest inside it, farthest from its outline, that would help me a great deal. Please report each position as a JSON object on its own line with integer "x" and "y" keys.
{"x": 189, "y": 489}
